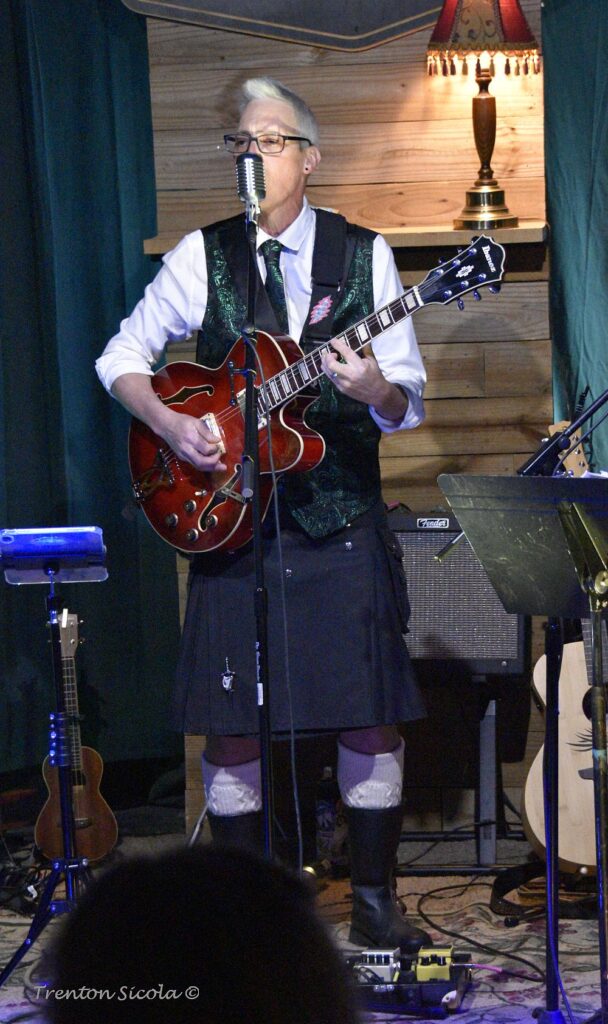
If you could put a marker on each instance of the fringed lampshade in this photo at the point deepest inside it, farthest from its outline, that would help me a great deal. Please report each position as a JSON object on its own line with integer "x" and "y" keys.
{"x": 477, "y": 32}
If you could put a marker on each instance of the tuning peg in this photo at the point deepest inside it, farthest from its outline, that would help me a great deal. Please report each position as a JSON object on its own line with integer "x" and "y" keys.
{"x": 476, "y": 295}
{"x": 495, "y": 288}
{"x": 460, "y": 303}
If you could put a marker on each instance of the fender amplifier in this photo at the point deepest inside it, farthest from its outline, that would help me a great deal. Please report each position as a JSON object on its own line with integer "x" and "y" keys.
{"x": 456, "y": 615}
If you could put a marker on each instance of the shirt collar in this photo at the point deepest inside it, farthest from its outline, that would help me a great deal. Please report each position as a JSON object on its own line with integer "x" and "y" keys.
{"x": 293, "y": 236}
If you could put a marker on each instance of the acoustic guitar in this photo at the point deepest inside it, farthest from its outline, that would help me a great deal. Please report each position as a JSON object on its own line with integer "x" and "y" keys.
{"x": 576, "y": 812}
{"x": 201, "y": 512}
{"x": 95, "y": 828}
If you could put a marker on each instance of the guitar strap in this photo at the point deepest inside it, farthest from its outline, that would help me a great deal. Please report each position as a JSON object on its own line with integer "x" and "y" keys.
{"x": 333, "y": 252}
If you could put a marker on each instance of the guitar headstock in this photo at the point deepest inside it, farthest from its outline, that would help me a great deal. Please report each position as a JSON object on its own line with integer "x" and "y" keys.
{"x": 68, "y": 631}
{"x": 480, "y": 265}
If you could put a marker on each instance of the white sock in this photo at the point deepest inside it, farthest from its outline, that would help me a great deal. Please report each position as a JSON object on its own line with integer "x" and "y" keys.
{"x": 372, "y": 781}
{"x": 233, "y": 789}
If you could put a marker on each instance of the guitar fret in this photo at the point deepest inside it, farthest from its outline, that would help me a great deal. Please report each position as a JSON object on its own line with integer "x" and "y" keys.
{"x": 280, "y": 381}
{"x": 375, "y": 327}
{"x": 315, "y": 358}
{"x": 290, "y": 381}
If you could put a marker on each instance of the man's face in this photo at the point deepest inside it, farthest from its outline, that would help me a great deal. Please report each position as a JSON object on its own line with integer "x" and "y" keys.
{"x": 285, "y": 173}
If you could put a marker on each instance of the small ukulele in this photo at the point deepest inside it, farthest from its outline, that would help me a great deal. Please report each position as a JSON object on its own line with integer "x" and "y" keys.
{"x": 95, "y": 828}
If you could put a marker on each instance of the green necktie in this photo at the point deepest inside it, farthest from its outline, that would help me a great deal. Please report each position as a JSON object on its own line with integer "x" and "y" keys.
{"x": 271, "y": 251}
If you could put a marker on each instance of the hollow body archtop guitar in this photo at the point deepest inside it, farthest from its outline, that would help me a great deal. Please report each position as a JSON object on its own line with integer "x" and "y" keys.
{"x": 196, "y": 511}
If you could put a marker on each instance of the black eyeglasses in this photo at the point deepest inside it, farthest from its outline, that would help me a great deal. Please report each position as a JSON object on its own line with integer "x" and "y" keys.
{"x": 268, "y": 142}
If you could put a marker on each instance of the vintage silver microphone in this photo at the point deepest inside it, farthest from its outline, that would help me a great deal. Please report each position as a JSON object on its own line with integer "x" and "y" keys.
{"x": 250, "y": 183}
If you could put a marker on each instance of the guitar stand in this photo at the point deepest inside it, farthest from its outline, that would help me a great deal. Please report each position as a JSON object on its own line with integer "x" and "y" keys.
{"x": 31, "y": 556}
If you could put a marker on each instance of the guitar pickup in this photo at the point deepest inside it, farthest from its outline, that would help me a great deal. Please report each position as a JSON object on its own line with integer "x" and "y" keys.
{"x": 211, "y": 423}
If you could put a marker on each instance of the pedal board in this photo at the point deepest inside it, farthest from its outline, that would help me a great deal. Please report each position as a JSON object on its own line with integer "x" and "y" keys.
{"x": 432, "y": 983}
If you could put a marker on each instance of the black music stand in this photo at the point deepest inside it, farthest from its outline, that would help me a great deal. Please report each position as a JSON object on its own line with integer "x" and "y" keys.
{"x": 55, "y": 555}
{"x": 543, "y": 542}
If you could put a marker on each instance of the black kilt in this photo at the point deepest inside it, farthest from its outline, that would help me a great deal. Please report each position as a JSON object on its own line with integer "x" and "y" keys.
{"x": 347, "y": 612}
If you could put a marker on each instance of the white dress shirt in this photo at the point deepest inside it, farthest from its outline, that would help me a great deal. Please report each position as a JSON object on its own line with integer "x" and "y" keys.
{"x": 174, "y": 303}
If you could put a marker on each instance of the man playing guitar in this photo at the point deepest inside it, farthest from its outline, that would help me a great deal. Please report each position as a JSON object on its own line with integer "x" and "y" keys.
{"x": 347, "y": 603}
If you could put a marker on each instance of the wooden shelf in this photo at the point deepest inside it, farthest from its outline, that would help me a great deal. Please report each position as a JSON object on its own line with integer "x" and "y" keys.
{"x": 528, "y": 231}
{"x": 534, "y": 231}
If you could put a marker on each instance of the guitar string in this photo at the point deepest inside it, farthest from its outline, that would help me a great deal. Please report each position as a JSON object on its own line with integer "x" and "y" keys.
{"x": 76, "y": 771}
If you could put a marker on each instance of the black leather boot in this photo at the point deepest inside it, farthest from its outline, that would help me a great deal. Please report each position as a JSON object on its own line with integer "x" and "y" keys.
{"x": 244, "y": 831}
{"x": 376, "y": 918}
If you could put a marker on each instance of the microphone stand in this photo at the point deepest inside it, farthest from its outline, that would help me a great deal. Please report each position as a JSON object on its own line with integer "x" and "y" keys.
{"x": 251, "y": 492}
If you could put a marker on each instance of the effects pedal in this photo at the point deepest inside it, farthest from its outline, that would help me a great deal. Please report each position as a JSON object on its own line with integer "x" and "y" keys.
{"x": 432, "y": 983}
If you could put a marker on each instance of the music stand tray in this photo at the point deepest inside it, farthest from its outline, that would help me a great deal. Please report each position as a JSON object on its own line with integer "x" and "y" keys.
{"x": 513, "y": 526}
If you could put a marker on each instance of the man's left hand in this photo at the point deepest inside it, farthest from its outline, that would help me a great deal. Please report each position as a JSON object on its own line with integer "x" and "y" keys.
{"x": 360, "y": 377}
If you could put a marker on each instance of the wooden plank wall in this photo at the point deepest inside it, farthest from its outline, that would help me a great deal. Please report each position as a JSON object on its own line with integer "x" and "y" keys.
{"x": 397, "y": 154}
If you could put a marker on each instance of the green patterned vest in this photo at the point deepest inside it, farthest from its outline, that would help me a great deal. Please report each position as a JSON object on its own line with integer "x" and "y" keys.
{"x": 347, "y": 481}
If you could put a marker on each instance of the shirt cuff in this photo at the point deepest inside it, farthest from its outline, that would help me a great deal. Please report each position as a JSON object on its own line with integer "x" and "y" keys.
{"x": 413, "y": 416}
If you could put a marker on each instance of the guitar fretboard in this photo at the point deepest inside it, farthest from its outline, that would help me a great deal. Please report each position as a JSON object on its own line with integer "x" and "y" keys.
{"x": 70, "y": 696}
{"x": 306, "y": 371}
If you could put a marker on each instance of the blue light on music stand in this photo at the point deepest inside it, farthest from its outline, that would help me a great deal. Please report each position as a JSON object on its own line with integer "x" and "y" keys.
{"x": 66, "y": 554}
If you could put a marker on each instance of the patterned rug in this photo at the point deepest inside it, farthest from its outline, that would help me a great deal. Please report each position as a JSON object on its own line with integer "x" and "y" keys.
{"x": 507, "y": 983}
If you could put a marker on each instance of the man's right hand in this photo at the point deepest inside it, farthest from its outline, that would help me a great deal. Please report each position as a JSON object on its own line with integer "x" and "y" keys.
{"x": 187, "y": 436}
{"x": 192, "y": 440}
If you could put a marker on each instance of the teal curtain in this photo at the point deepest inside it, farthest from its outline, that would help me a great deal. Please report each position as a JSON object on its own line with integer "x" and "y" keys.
{"x": 78, "y": 199}
{"x": 575, "y": 43}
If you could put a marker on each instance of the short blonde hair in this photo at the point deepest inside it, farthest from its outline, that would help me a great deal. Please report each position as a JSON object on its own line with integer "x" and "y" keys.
{"x": 265, "y": 88}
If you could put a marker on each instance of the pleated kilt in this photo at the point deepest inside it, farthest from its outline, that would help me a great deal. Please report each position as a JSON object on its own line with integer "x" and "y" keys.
{"x": 342, "y": 643}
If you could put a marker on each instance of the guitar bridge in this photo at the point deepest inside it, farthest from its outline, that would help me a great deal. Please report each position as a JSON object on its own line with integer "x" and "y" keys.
{"x": 158, "y": 475}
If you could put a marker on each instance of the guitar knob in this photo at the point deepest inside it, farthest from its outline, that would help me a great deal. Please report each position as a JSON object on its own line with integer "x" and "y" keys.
{"x": 476, "y": 295}
{"x": 171, "y": 520}
{"x": 192, "y": 536}
{"x": 212, "y": 522}
{"x": 190, "y": 506}
{"x": 460, "y": 303}
{"x": 495, "y": 288}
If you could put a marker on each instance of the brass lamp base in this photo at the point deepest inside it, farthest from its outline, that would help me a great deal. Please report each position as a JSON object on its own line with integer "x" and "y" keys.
{"x": 485, "y": 208}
